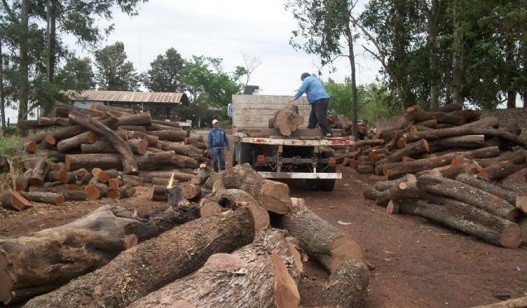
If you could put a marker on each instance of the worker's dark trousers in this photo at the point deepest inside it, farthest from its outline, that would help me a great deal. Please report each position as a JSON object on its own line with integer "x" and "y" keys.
{"x": 318, "y": 115}
{"x": 218, "y": 159}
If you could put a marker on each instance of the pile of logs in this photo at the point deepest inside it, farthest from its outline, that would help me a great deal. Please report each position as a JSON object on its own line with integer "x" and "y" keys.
{"x": 85, "y": 154}
{"x": 198, "y": 254}
{"x": 454, "y": 167}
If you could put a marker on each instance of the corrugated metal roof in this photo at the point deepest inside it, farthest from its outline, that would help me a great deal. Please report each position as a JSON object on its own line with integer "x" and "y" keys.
{"x": 133, "y": 97}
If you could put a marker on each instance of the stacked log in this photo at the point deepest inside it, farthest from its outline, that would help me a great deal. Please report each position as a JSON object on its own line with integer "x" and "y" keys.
{"x": 104, "y": 138}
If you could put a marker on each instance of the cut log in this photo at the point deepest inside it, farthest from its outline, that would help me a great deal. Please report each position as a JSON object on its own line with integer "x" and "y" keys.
{"x": 348, "y": 286}
{"x": 521, "y": 203}
{"x": 39, "y": 172}
{"x": 320, "y": 240}
{"x": 22, "y": 182}
{"x": 152, "y": 264}
{"x": 141, "y": 118}
{"x": 411, "y": 149}
{"x": 467, "y": 218}
{"x": 273, "y": 196}
{"x": 190, "y": 191}
{"x": 287, "y": 119}
{"x": 175, "y": 134}
{"x": 44, "y": 197}
{"x": 466, "y": 129}
{"x": 129, "y": 164}
{"x": 75, "y": 142}
{"x": 500, "y": 170}
{"x": 465, "y": 193}
{"x": 466, "y": 142}
{"x": 178, "y": 175}
{"x": 517, "y": 181}
{"x": 267, "y": 271}
{"x": 489, "y": 187}
{"x": 232, "y": 199}
{"x": 90, "y": 161}
{"x": 14, "y": 200}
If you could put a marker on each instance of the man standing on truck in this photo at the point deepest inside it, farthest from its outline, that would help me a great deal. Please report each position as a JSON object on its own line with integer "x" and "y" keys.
{"x": 318, "y": 98}
{"x": 217, "y": 142}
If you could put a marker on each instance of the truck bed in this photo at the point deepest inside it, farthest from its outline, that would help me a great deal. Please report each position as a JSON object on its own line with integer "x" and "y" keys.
{"x": 300, "y": 137}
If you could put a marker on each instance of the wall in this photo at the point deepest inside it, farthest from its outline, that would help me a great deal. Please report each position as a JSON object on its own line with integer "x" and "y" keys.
{"x": 256, "y": 110}
{"x": 506, "y": 117}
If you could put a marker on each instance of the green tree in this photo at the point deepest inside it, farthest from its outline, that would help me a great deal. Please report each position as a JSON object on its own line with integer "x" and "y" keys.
{"x": 76, "y": 74}
{"x": 114, "y": 72}
{"x": 164, "y": 73}
{"x": 327, "y": 29}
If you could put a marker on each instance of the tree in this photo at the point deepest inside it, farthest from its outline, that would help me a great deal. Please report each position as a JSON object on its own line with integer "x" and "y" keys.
{"x": 324, "y": 25}
{"x": 76, "y": 74}
{"x": 114, "y": 72}
{"x": 164, "y": 74}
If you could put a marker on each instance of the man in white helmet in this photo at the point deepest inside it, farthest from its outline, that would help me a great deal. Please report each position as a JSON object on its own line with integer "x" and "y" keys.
{"x": 217, "y": 142}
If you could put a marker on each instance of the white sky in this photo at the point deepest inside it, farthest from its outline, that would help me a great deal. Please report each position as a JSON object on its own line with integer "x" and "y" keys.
{"x": 228, "y": 30}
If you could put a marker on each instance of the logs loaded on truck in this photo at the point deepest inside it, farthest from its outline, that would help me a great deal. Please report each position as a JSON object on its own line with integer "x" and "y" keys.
{"x": 284, "y": 149}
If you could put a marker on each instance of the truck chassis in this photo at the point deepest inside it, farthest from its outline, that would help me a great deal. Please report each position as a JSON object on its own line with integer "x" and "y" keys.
{"x": 311, "y": 159}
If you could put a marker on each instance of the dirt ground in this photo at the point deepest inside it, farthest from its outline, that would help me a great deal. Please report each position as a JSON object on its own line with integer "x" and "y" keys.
{"x": 415, "y": 262}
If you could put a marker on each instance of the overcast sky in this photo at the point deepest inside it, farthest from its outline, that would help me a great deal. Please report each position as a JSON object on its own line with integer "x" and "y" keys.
{"x": 228, "y": 30}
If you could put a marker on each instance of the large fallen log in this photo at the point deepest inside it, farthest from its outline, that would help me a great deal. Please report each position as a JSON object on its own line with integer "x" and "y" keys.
{"x": 519, "y": 302}
{"x": 272, "y": 195}
{"x": 469, "y": 194}
{"x": 128, "y": 161}
{"x": 464, "y": 217}
{"x": 152, "y": 264}
{"x": 267, "y": 271}
{"x": 32, "y": 265}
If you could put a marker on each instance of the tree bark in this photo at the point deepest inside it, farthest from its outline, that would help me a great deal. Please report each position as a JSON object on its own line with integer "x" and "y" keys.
{"x": 320, "y": 240}
{"x": 128, "y": 162}
{"x": 273, "y": 196}
{"x": 151, "y": 265}
{"x": 267, "y": 271}
{"x": 44, "y": 197}
{"x": 75, "y": 142}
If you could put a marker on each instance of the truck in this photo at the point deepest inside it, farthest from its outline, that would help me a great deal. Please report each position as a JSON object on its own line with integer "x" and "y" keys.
{"x": 304, "y": 155}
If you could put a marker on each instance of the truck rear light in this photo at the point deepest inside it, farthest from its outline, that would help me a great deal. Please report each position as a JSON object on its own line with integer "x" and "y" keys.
{"x": 260, "y": 160}
{"x": 332, "y": 162}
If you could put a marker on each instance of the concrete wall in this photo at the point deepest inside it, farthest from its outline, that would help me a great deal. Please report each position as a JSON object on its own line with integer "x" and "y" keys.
{"x": 506, "y": 117}
{"x": 256, "y": 110}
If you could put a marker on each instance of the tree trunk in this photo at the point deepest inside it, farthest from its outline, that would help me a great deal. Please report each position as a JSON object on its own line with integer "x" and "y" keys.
{"x": 287, "y": 120}
{"x": 273, "y": 196}
{"x": 151, "y": 265}
{"x": 128, "y": 162}
{"x": 271, "y": 269}
{"x": 464, "y": 217}
{"x": 468, "y": 194}
{"x": 320, "y": 240}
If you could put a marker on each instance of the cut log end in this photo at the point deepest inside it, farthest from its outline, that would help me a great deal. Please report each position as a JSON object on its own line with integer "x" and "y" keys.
{"x": 511, "y": 236}
{"x": 286, "y": 291}
{"x": 344, "y": 249}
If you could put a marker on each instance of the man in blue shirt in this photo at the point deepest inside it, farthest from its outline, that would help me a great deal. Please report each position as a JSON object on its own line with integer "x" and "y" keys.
{"x": 217, "y": 142}
{"x": 318, "y": 98}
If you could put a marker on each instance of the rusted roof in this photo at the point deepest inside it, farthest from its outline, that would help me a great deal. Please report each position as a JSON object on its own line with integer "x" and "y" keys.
{"x": 133, "y": 97}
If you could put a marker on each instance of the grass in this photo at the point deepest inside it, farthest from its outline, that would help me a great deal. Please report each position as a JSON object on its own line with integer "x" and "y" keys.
{"x": 10, "y": 147}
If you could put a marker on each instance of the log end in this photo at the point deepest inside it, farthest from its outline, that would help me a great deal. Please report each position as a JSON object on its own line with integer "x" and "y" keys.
{"x": 286, "y": 290}
{"x": 343, "y": 249}
{"x": 511, "y": 236}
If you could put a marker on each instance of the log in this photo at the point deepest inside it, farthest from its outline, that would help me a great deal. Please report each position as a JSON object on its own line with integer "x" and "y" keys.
{"x": 273, "y": 196}
{"x": 90, "y": 161}
{"x": 175, "y": 134}
{"x": 462, "y": 130}
{"x": 521, "y": 203}
{"x": 489, "y": 187}
{"x": 467, "y": 218}
{"x": 500, "y": 170}
{"x": 287, "y": 120}
{"x": 466, "y": 142}
{"x": 75, "y": 142}
{"x": 129, "y": 164}
{"x": 232, "y": 199}
{"x": 39, "y": 172}
{"x": 152, "y": 264}
{"x": 519, "y": 302}
{"x": 14, "y": 200}
{"x": 22, "y": 183}
{"x": 36, "y": 264}
{"x": 267, "y": 271}
{"x": 517, "y": 181}
{"x": 411, "y": 149}
{"x": 348, "y": 286}
{"x": 140, "y": 119}
{"x": 320, "y": 240}
{"x": 465, "y": 193}
{"x": 190, "y": 191}
{"x": 44, "y": 197}
{"x": 166, "y": 174}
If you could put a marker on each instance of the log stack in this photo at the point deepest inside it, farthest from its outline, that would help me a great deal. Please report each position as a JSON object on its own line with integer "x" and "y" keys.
{"x": 123, "y": 145}
{"x": 202, "y": 261}
{"x": 452, "y": 166}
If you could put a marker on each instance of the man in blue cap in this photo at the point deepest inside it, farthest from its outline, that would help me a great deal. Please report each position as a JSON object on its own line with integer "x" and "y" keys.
{"x": 318, "y": 98}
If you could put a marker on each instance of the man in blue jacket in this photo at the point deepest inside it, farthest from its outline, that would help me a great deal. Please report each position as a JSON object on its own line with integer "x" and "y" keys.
{"x": 217, "y": 142}
{"x": 318, "y": 98}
